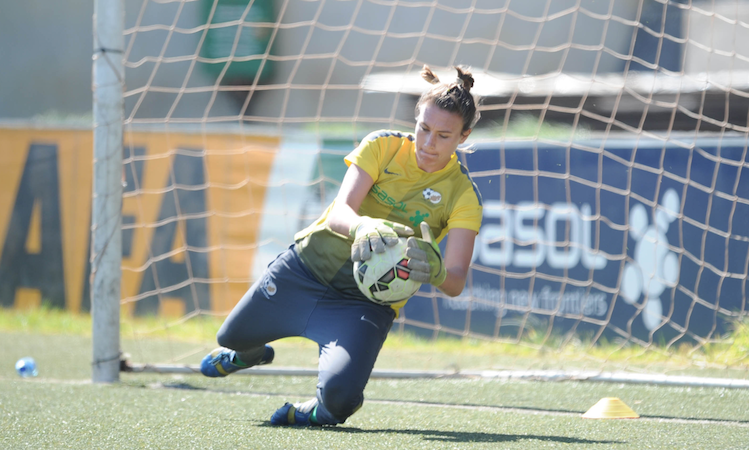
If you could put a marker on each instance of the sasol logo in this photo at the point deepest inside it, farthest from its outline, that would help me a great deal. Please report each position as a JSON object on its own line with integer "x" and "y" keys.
{"x": 535, "y": 227}
{"x": 655, "y": 267}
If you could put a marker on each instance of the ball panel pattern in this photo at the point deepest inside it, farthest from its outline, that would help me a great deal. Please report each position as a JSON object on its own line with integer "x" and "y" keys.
{"x": 385, "y": 277}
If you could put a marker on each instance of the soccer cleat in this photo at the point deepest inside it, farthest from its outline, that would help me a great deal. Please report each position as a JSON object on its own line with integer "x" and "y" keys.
{"x": 221, "y": 362}
{"x": 297, "y": 414}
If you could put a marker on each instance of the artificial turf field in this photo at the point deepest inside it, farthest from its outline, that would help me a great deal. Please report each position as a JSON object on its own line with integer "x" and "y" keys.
{"x": 62, "y": 409}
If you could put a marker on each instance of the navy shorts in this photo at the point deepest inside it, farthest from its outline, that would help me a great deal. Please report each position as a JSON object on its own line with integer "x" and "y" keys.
{"x": 289, "y": 301}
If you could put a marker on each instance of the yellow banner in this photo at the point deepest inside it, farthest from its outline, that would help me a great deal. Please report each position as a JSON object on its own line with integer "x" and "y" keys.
{"x": 191, "y": 212}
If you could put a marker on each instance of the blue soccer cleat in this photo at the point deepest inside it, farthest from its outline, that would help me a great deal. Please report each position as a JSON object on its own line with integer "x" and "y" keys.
{"x": 297, "y": 414}
{"x": 221, "y": 362}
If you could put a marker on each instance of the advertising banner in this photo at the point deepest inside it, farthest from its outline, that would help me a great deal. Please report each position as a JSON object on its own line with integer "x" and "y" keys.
{"x": 190, "y": 217}
{"x": 635, "y": 236}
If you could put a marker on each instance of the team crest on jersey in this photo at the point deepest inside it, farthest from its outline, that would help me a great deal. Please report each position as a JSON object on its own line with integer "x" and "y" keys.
{"x": 431, "y": 195}
{"x": 268, "y": 287}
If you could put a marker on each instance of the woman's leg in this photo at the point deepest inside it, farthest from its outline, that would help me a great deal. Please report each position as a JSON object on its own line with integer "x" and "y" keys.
{"x": 350, "y": 334}
{"x": 276, "y": 306}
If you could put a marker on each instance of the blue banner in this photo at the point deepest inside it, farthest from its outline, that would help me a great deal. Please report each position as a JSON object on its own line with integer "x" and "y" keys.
{"x": 629, "y": 237}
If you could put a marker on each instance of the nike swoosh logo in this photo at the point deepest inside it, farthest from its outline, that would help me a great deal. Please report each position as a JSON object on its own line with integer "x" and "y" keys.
{"x": 390, "y": 173}
{"x": 367, "y": 320}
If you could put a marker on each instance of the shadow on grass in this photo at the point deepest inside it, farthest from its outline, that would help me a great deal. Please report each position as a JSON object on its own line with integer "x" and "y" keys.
{"x": 461, "y": 436}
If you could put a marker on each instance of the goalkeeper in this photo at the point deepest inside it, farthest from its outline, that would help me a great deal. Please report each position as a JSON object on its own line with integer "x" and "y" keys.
{"x": 397, "y": 184}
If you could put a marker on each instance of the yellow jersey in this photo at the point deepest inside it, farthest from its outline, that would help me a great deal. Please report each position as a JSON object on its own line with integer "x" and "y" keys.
{"x": 402, "y": 193}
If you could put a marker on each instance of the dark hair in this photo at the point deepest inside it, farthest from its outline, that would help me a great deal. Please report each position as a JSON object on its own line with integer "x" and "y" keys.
{"x": 454, "y": 97}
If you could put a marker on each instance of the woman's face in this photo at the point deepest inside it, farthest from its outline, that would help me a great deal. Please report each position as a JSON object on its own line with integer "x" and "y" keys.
{"x": 438, "y": 134}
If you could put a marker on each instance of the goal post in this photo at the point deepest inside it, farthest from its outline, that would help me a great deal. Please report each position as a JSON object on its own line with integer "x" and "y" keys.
{"x": 611, "y": 157}
{"x": 106, "y": 235}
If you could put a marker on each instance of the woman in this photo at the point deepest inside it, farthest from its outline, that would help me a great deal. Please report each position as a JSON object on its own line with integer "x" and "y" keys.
{"x": 396, "y": 182}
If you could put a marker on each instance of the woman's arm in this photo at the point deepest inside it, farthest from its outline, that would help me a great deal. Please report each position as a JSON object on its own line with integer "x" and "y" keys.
{"x": 370, "y": 234}
{"x": 458, "y": 252}
{"x": 355, "y": 186}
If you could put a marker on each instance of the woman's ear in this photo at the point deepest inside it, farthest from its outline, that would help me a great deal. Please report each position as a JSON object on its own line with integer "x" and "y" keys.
{"x": 465, "y": 135}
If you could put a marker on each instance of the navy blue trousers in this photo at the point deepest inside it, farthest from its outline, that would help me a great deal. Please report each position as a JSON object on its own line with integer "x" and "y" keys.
{"x": 289, "y": 301}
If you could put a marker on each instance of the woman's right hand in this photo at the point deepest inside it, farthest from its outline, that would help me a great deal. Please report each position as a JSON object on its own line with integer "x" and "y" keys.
{"x": 373, "y": 235}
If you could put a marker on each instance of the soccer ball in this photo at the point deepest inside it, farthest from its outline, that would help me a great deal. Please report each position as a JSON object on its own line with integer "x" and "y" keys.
{"x": 385, "y": 277}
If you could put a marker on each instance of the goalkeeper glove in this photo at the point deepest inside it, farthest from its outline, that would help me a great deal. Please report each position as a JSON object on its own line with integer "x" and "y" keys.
{"x": 373, "y": 235}
{"x": 426, "y": 263}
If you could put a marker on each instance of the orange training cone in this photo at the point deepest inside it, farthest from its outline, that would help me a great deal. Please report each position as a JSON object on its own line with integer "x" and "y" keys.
{"x": 610, "y": 408}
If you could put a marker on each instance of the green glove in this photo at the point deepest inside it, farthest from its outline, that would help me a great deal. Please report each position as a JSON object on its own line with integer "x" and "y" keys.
{"x": 426, "y": 263}
{"x": 373, "y": 235}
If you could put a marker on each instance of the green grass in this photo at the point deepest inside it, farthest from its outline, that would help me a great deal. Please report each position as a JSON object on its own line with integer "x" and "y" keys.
{"x": 403, "y": 350}
{"x": 528, "y": 126}
{"x": 57, "y": 118}
{"x": 520, "y": 126}
{"x": 61, "y": 408}
{"x": 142, "y": 412}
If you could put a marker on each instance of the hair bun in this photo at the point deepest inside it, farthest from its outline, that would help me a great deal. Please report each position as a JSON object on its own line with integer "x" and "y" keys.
{"x": 427, "y": 74}
{"x": 465, "y": 77}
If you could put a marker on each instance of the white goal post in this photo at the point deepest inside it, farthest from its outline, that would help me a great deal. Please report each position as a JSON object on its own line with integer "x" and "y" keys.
{"x": 106, "y": 237}
{"x": 611, "y": 157}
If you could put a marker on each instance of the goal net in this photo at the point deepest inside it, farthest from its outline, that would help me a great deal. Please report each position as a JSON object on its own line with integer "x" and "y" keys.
{"x": 611, "y": 157}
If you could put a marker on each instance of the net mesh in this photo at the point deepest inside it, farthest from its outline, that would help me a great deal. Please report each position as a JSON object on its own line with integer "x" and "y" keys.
{"x": 611, "y": 158}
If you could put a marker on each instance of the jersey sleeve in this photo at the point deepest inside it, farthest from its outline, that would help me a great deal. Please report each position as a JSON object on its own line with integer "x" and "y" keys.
{"x": 467, "y": 213}
{"x": 368, "y": 155}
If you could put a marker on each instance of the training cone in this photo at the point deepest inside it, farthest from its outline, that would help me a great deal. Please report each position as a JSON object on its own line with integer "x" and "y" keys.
{"x": 610, "y": 408}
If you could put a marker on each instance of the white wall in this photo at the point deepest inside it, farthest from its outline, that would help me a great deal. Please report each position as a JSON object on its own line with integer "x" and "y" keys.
{"x": 46, "y": 48}
{"x": 718, "y": 33}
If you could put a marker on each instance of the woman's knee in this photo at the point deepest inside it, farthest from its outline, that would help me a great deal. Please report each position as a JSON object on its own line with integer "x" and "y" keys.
{"x": 229, "y": 337}
{"x": 341, "y": 400}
